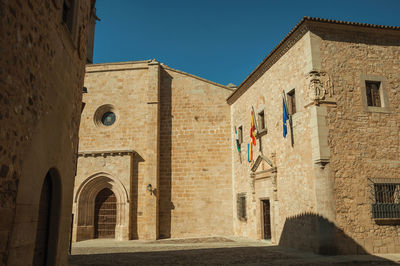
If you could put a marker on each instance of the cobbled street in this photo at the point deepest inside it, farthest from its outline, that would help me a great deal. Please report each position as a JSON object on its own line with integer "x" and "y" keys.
{"x": 207, "y": 251}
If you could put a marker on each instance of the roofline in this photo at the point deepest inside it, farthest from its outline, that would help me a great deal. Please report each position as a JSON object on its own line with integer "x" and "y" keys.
{"x": 149, "y": 61}
{"x": 242, "y": 89}
{"x": 119, "y": 63}
{"x": 196, "y": 77}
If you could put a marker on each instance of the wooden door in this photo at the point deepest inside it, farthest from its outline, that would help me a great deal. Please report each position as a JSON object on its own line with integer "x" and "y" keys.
{"x": 105, "y": 214}
{"x": 266, "y": 219}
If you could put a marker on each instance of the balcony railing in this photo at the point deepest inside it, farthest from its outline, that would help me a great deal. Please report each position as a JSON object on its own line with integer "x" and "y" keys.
{"x": 385, "y": 196}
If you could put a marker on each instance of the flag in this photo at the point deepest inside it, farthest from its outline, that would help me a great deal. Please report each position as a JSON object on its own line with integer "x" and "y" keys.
{"x": 285, "y": 117}
{"x": 249, "y": 152}
{"x": 252, "y": 130}
{"x": 237, "y": 140}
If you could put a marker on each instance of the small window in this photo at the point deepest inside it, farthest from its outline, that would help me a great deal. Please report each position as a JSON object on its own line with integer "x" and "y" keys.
{"x": 291, "y": 102}
{"x": 241, "y": 206}
{"x": 105, "y": 116}
{"x": 108, "y": 119}
{"x": 373, "y": 93}
{"x": 68, "y": 13}
{"x": 261, "y": 120}
{"x": 240, "y": 134}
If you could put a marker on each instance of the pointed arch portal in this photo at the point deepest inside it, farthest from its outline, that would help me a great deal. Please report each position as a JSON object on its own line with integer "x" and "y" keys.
{"x": 102, "y": 208}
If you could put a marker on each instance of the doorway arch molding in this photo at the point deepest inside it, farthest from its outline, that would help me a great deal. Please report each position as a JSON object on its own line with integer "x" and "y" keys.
{"x": 85, "y": 202}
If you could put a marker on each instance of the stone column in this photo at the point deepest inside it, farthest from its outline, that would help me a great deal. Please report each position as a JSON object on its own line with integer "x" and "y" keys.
{"x": 150, "y": 211}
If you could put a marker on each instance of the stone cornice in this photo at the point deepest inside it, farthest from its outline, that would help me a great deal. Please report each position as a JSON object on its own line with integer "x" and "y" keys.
{"x": 117, "y": 66}
{"x": 105, "y": 153}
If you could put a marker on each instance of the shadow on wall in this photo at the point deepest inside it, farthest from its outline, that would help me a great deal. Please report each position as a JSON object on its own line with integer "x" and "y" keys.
{"x": 312, "y": 232}
{"x": 134, "y": 195}
{"x": 165, "y": 203}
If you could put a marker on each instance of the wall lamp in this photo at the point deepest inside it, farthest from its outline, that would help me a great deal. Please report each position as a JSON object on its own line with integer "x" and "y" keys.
{"x": 150, "y": 188}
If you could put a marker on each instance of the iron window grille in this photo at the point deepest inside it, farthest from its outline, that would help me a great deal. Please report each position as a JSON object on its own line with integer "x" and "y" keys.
{"x": 240, "y": 134}
{"x": 373, "y": 93}
{"x": 385, "y": 196}
{"x": 291, "y": 102}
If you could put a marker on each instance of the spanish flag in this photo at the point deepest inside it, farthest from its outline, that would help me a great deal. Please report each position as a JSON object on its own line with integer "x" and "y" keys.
{"x": 252, "y": 130}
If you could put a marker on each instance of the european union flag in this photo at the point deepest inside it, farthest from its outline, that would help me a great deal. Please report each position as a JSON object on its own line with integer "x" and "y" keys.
{"x": 285, "y": 117}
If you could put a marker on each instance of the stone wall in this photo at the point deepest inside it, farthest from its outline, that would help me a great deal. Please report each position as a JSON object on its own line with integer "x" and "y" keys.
{"x": 41, "y": 78}
{"x": 123, "y": 88}
{"x": 195, "y": 165}
{"x": 177, "y": 127}
{"x": 364, "y": 142}
{"x": 323, "y": 184}
{"x": 294, "y": 183}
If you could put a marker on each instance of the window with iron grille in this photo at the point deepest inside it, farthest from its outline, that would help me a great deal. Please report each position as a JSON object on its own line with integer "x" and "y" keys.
{"x": 291, "y": 102}
{"x": 373, "y": 93}
{"x": 241, "y": 206}
{"x": 261, "y": 120}
{"x": 240, "y": 134}
{"x": 385, "y": 195}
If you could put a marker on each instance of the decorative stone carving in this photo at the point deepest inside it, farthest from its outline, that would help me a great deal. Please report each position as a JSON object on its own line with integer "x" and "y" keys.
{"x": 320, "y": 86}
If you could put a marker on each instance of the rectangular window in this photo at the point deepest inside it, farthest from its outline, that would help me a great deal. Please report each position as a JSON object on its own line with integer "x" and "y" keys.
{"x": 68, "y": 13}
{"x": 385, "y": 194}
{"x": 291, "y": 102}
{"x": 373, "y": 93}
{"x": 241, "y": 206}
{"x": 261, "y": 120}
{"x": 240, "y": 134}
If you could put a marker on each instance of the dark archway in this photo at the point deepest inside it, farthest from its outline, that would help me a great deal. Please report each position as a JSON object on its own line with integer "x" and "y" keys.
{"x": 48, "y": 220}
{"x": 105, "y": 214}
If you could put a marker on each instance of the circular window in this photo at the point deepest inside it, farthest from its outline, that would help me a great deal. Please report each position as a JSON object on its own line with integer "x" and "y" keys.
{"x": 108, "y": 119}
{"x": 105, "y": 116}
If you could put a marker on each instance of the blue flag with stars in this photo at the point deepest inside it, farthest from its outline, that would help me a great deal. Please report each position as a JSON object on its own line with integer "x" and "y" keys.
{"x": 285, "y": 117}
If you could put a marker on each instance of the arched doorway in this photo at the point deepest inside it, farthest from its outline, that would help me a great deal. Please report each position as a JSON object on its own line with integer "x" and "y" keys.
{"x": 48, "y": 220}
{"x": 105, "y": 214}
{"x": 88, "y": 206}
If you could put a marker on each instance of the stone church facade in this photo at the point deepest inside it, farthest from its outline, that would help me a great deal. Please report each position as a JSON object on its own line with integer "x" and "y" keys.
{"x": 154, "y": 154}
{"x": 158, "y": 155}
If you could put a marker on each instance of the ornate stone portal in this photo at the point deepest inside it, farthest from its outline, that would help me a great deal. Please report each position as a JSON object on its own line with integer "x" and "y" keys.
{"x": 84, "y": 203}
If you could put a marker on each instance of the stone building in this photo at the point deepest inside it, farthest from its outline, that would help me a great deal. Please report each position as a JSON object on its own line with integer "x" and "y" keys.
{"x": 42, "y": 59}
{"x": 154, "y": 155}
{"x": 332, "y": 185}
{"x": 158, "y": 156}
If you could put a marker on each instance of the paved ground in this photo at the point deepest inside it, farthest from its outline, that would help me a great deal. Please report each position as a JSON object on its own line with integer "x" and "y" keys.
{"x": 207, "y": 251}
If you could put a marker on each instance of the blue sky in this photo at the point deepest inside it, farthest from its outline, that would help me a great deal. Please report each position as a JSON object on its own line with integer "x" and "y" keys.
{"x": 220, "y": 40}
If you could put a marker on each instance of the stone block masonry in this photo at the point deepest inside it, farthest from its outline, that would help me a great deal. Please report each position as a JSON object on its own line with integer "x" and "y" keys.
{"x": 42, "y": 65}
{"x": 324, "y": 192}
{"x": 177, "y": 127}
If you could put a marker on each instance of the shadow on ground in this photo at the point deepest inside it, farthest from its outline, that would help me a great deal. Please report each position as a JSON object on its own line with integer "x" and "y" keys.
{"x": 263, "y": 255}
{"x": 313, "y": 232}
